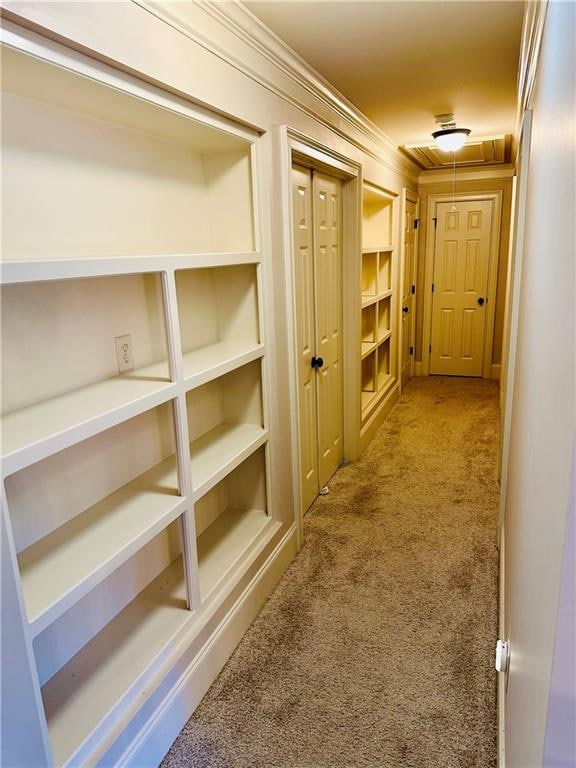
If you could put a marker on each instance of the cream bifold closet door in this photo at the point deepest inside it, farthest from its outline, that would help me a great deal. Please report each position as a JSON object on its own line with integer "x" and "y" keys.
{"x": 317, "y": 216}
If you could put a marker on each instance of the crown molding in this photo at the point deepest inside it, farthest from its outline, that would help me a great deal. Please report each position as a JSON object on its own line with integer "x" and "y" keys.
{"x": 532, "y": 33}
{"x": 346, "y": 120}
{"x": 442, "y": 176}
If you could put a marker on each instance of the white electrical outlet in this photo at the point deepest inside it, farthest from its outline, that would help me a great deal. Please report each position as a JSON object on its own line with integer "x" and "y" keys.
{"x": 124, "y": 353}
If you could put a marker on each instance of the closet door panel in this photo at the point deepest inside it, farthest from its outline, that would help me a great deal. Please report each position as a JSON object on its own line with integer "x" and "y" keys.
{"x": 327, "y": 212}
{"x": 305, "y": 331}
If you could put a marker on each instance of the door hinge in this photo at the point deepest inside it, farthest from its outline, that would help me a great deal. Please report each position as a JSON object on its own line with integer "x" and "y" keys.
{"x": 435, "y": 220}
{"x": 416, "y": 222}
{"x": 432, "y": 287}
{"x": 430, "y": 348}
{"x": 411, "y": 350}
{"x": 413, "y": 289}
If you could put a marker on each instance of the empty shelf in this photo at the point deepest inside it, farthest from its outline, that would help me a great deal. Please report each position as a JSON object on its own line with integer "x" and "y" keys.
{"x": 25, "y": 429}
{"x": 224, "y": 542}
{"x": 385, "y": 336}
{"x": 62, "y": 567}
{"x": 221, "y": 450}
{"x": 204, "y": 364}
{"x": 93, "y": 683}
{"x": 367, "y": 347}
{"x": 369, "y": 300}
{"x": 377, "y": 248}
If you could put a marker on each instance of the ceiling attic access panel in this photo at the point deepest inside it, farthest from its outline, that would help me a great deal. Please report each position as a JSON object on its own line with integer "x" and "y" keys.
{"x": 114, "y": 174}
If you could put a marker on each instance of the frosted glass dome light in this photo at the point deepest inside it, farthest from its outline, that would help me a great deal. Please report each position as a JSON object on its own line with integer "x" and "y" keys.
{"x": 451, "y": 139}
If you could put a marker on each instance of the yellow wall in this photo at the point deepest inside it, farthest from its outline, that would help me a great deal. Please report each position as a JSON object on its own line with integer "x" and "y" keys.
{"x": 466, "y": 187}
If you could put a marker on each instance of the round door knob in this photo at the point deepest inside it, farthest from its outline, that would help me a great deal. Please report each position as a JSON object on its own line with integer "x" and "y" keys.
{"x": 317, "y": 362}
{"x": 405, "y": 310}
{"x": 481, "y": 301}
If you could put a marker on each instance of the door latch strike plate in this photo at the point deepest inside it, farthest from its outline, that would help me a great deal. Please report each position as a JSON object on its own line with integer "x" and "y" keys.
{"x": 502, "y": 656}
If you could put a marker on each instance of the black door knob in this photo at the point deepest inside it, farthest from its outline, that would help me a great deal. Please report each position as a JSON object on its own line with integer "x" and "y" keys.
{"x": 405, "y": 310}
{"x": 481, "y": 301}
{"x": 317, "y": 362}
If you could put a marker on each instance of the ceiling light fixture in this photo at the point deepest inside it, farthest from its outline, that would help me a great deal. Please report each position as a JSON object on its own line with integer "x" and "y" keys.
{"x": 449, "y": 138}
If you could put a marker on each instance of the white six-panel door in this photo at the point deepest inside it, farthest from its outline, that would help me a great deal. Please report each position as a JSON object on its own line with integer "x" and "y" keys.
{"x": 461, "y": 263}
{"x": 317, "y": 226}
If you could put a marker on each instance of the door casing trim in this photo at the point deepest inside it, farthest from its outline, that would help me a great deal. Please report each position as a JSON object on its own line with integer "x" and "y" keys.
{"x": 433, "y": 201}
{"x": 295, "y": 147}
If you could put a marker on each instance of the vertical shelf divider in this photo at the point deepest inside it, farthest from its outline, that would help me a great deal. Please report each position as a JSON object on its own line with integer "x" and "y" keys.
{"x": 182, "y": 439}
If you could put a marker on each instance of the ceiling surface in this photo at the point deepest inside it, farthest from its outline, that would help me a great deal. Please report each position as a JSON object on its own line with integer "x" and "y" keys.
{"x": 402, "y": 62}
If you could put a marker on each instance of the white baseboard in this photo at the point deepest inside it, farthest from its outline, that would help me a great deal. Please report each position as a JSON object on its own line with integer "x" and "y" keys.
{"x": 156, "y": 737}
{"x": 496, "y": 371}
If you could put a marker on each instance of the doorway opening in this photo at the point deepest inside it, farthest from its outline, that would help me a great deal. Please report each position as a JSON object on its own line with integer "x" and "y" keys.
{"x": 322, "y": 250}
{"x": 460, "y": 284}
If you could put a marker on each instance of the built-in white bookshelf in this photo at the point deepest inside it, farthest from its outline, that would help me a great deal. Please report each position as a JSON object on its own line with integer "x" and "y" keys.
{"x": 379, "y": 300}
{"x": 135, "y": 458}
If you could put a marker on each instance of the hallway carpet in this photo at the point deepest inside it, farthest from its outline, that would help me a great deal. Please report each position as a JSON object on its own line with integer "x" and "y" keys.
{"x": 376, "y": 650}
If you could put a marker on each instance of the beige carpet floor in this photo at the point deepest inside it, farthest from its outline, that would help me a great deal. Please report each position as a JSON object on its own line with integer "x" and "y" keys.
{"x": 376, "y": 650}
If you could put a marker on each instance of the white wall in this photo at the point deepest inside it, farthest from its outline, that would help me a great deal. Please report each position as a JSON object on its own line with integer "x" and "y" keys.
{"x": 543, "y": 398}
{"x": 560, "y": 745}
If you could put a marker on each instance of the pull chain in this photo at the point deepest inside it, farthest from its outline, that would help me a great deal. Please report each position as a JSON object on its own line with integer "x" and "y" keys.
{"x": 454, "y": 182}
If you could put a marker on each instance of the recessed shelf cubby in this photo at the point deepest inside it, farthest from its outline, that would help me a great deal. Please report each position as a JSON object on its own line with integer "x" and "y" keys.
{"x": 368, "y": 328}
{"x": 111, "y": 174}
{"x": 229, "y": 519}
{"x": 59, "y": 357}
{"x": 81, "y": 691}
{"x": 383, "y": 369}
{"x": 384, "y": 271}
{"x": 377, "y": 211}
{"x": 369, "y": 274}
{"x": 226, "y": 424}
{"x": 368, "y": 379}
{"x": 121, "y": 488}
{"x": 219, "y": 323}
{"x": 384, "y": 318}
